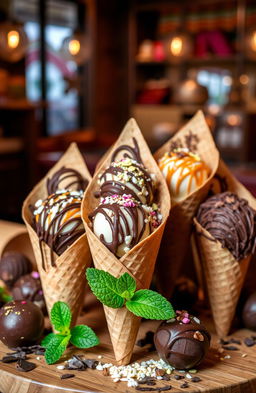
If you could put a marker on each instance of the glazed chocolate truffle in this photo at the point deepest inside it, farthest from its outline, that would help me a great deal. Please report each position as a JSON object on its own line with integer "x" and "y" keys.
{"x": 120, "y": 222}
{"x": 127, "y": 176}
{"x": 21, "y": 323}
{"x": 12, "y": 266}
{"x": 66, "y": 179}
{"x": 182, "y": 341}
{"x": 249, "y": 312}
{"x": 184, "y": 173}
{"x": 58, "y": 219}
{"x": 231, "y": 221}
{"x": 29, "y": 287}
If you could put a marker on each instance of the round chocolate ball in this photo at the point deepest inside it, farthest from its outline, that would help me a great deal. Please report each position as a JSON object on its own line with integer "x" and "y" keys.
{"x": 29, "y": 287}
{"x": 13, "y": 265}
{"x": 249, "y": 312}
{"x": 21, "y": 323}
{"x": 182, "y": 341}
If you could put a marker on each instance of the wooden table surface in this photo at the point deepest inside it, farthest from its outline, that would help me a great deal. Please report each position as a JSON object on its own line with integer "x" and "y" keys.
{"x": 218, "y": 374}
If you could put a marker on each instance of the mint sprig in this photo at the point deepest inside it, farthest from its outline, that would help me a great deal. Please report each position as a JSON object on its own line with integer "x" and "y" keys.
{"x": 4, "y": 296}
{"x": 81, "y": 336}
{"x": 118, "y": 292}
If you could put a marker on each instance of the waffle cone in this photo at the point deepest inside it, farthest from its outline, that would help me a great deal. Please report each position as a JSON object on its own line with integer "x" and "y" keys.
{"x": 224, "y": 275}
{"x": 139, "y": 262}
{"x": 176, "y": 238}
{"x": 66, "y": 280}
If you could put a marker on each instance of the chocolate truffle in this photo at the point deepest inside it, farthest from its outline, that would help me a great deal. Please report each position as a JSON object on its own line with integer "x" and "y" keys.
{"x": 58, "y": 219}
{"x": 29, "y": 287}
{"x": 231, "y": 221}
{"x": 66, "y": 179}
{"x": 182, "y": 341}
{"x": 184, "y": 172}
{"x": 21, "y": 323}
{"x": 127, "y": 176}
{"x": 12, "y": 266}
{"x": 249, "y": 312}
{"x": 120, "y": 222}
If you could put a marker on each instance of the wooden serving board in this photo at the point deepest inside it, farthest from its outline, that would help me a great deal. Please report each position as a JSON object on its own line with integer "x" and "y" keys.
{"x": 218, "y": 374}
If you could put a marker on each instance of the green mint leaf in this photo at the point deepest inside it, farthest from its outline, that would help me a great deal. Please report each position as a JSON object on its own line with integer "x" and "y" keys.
{"x": 151, "y": 305}
{"x": 104, "y": 287}
{"x": 55, "y": 348}
{"x": 83, "y": 336}
{"x": 4, "y": 296}
{"x": 61, "y": 317}
{"x": 126, "y": 286}
{"x": 47, "y": 339}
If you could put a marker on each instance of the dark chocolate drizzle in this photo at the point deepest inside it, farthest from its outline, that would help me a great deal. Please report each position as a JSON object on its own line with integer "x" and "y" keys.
{"x": 111, "y": 187}
{"x": 231, "y": 221}
{"x": 118, "y": 234}
{"x": 77, "y": 181}
{"x": 58, "y": 242}
{"x": 134, "y": 152}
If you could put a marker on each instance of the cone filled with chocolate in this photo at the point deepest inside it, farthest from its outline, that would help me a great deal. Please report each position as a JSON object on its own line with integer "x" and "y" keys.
{"x": 225, "y": 228}
{"x": 124, "y": 225}
{"x": 188, "y": 162}
{"x": 52, "y": 215}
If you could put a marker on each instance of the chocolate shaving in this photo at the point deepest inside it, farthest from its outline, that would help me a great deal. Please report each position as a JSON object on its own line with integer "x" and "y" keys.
{"x": 166, "y": 377}
{"x": 235, "y": 341}
{"x": 25, "y": 366}
{"x": 67, "y": 376}
{"x": 249, "y": 342}
{"x": 184, "y": 385}
{"x": 196, "y": 379}
{"x": 91, "y": 363}
{"x": 9, "y": 359}
{"x": 146, "y": 380}
{"x": 76, "y": 363}
{"x": 159, "y": 389}
{"x": 177, "y": 377}
{"x": 230, "y": 348}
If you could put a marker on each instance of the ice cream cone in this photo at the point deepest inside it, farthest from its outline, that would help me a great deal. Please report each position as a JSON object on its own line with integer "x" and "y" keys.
{"x": 140, "y": 260}
{"x": 224, "y": 275}
{"x": 65, "y": 281}
{"x": 176, "y": 238}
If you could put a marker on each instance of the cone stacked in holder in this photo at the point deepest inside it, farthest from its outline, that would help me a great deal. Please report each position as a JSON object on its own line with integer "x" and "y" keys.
{"x": 62, "y": 270}
{"x": 196, "y": 138}
{"x": 138, "y": 259}
{"x": 224, "y": 269}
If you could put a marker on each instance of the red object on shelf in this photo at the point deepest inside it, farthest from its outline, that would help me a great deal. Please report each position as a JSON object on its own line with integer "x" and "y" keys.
{"x": 212, "y": 42}
{"x": 158, "y": 51}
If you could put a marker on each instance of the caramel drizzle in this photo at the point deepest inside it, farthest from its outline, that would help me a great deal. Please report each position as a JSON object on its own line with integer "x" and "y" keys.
{"x": 117, "y": 218}
{"x": 58, "y": 242}
{"x": 189, "y": 167}
{"x": 65, "y": 173}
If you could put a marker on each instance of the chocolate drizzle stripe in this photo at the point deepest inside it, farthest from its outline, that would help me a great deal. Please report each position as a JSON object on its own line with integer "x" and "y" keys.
{"x": 53, "y": 183}
{"x": 134, "y": 151}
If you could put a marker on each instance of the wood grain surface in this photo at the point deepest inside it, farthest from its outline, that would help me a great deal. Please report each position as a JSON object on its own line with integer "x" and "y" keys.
{"x": 218, "y": 374}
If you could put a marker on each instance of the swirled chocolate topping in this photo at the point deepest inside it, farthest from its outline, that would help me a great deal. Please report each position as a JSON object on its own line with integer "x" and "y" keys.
{"x": 121, "y": 222}
{"x": 182, "y": 341}
{"x": 127, "y": 176}
{"x": 231, "y": 221}
{"x": 58, "y": 220}
{"x": 131, "y": 152}
{"x": 66, "y": 178}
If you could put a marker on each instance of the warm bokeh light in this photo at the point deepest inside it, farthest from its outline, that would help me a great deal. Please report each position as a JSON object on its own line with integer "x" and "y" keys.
{"x": 253, "y": 41}
{"x": 176, "y": 46}
{"x": 234, "y": 120}
{"x": 74, "y": 47}
{"x": 13, "y": 39}
{"x": 244, "y": 79}
{"x": 227, "y": 80}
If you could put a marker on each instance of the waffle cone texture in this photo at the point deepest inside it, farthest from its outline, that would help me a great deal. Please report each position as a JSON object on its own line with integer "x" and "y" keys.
{"x": 176, "y": 238}
{"x": 66, "y": 280}
{"x": 139, "y": 262}
{"x": 224, "y": 275}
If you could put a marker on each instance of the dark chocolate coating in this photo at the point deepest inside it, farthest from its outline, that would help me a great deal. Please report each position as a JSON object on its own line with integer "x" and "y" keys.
{"x": 29, "y": 287}
{"x": 249, "y": 312}
{"x": 71, "y": 178}
{"x": 231, "y": 221}
{"x": 12, "y": 266}
{"x": 21, "y": 323}
{"x": 176, "y": 343}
